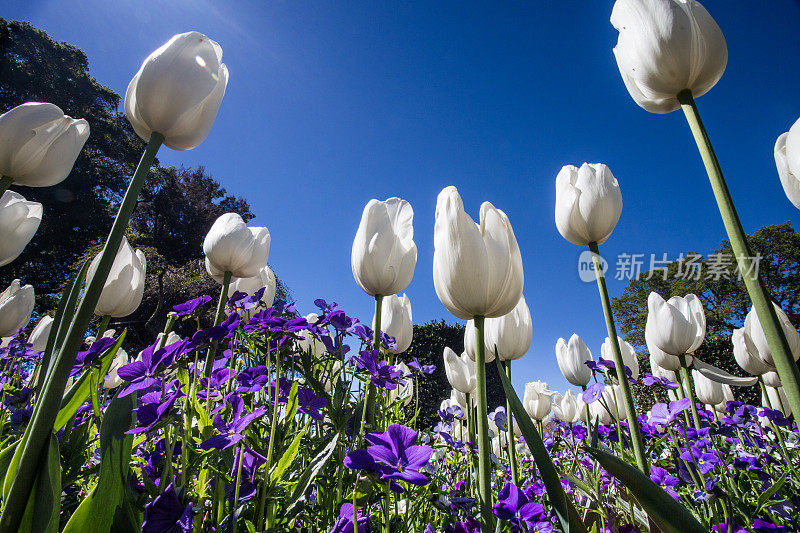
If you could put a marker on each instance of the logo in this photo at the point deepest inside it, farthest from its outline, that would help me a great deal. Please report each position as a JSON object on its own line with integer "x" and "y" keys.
{"x": 586, "y": 266}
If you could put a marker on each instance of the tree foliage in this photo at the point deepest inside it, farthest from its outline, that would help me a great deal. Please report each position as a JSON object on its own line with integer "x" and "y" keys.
{"x": 715, "y": 280}
{"x": 427, "y": 346}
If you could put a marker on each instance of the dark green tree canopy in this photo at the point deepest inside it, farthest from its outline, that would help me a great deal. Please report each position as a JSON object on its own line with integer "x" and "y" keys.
{"x": 715, "y": 279}
{"x": 427, "y": 346}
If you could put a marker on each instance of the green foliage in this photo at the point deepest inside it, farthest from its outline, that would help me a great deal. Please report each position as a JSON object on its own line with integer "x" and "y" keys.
{"x": 427, "y": 346}
{"x": 715, "y": 281}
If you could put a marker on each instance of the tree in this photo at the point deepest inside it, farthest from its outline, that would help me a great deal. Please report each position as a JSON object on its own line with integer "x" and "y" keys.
{"x": 715, "y": 280}
{"x": 427, "y": 347}
{"x": 77, "y": 212}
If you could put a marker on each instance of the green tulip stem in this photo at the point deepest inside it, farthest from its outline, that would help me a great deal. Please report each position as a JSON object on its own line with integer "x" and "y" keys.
{"x": 235, "y": 524}
{"x": 588, "y": 418}
{"x": 376, "y": 345}
{"x": 627, "y": 397}
{"x": 223, "y": 299}
{"x": 687, "y": 377}
{"x": 512, "y": 452}
{"x": 28, "y": 455}
{"x": 484, "y": 445}
{"x": 5, "y": 183}
{"x": 773, "y": 330}
{"x": 775, "y": 428}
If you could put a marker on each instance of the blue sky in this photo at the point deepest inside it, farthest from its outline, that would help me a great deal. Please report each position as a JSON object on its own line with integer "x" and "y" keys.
{"x": 330, "y": 104}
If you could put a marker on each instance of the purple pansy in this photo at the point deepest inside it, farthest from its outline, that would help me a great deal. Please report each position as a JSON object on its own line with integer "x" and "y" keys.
{"x": 231, "y": 432}
{"x": 189, "y": 307}
{"x": 166, "y": 514}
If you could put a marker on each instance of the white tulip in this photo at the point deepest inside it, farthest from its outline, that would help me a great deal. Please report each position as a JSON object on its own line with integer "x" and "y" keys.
{"x": 750, "y": 362}
{"x": 403, "y": 393}
{"x": 588, "y": 203}
{"x": 727, "y": 396}
{"x": 572, "y": 357}
{"x": 265, "y": 279}
{"x": 19, "y": 220}
{"x": 665, "y": 47}
{"x": 16, "y": 306}
{"x": 477, "y": 268}
{"x": 112, "y": 379}
{"x": 124, "y": 286}
{"x": 757, "y": 340}
{"x": 537, "y": 400}
{"x": 787, "y": 159}
{"x": 40, "y": 333}
{"x": 460, "y": 399}
{"x": 510, "y": 334}
{"x": 384, "y": 254}
{"x": 309, "y": 343}
{"x": 461, "y": 371}
{"x": 629, "y": 358}
{"x": 565, "y": 407}
{"x": 469, "y": 342}
{"x": 599, "y": 412}
{"x": 707, "y": 391}
{"x": 580, "y": 409}
{"x": 778, "y": 400}
{"x": 772, "y": 379}
{"x": 612, "y": 395}
{"x": 39, "y": 144}
{"x": 676, "y": 326}
{"x": 178, "y": 90}
{"x": 660, "y": 358}
{"x": 661, "y": 372}
{"x": 230, "y": 246}
{"x": 396, "y": 321}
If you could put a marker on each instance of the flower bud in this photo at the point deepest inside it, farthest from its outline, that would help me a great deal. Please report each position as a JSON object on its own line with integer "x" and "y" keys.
{"x": 19, "y": 220}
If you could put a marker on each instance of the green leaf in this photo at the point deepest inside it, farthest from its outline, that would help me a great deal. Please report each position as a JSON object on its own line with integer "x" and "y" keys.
{"x": 765, "y": 496}
{"x": 106, "y": 505}
{"x": 672, "y": 517}
{"x": 82, "y": 388}
{"x": 565, "y": 510}
{"x": 294, "y": 503}
{"x": 5, "y": 456}
{"x": 288, "y": 457}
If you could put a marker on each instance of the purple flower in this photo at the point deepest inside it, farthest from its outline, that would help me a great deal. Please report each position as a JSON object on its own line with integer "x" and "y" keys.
{"x": 705, "y": 461}
{"x": 344, "y": 524}
{"x": 383, "y": 374}
{"x": 514, "y": 506}
{"x": 661, "y": 477}
{"x": 191, "y": 306}
{"x": 141, "y": 374}
{"x": 664, "y": 414}
{"x": 231, "y": 432}
{"x": 252, "y": 379}
{"x": 425, "y": 369}
{"x": 251, "y": 461}
{"x": 393, "y": 455}
{"x": 593, "y": 393}
{"x": 762, "y": 526}
{"x": 154, "y": 409}
{"x": 95, "y": 351}
{"x": 650, "y": 380}
{"x": 165, "y": 514}
{"x": 310, "y": 403}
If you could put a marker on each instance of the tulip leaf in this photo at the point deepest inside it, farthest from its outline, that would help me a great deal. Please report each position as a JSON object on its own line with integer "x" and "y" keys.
{"x": 44, "y": 505}
{"x": 565, "y": 510}
{"x": 671, "y": 516}
{"x": 82, "y": 388}
{"x": 720, "y": 376}
{"x": 294, "y": 504}
{"x": 764, "y": 497}
{"x": 106, "y": 508}
{"x": 6, "y": 455}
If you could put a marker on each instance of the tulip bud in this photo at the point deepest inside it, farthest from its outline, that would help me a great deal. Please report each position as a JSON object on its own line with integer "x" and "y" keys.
{"x": 39, "y": 144}
{"x": 604, "y": 414}
{"x": 309, "y": 343}
{"x": 265, "y": 279}
{"x": 16, "y": 306}
{"x": 460, "y": 371}
{"x": 470, "y": 347}
{"x": 572, "y": 357}
{"x": 588, "y": 203}
{"x": 757, "y": 340}
{"x": 658, "y": 357}
{"x": 510, "y": 335}
{"x": 40, "y": 333}
{"x": 772, "y": 379}
{"x": 405, "y": 392}
{"x": 665, "y": 47}
{"x": 112, "y": 379}
{"x": 19, "y": 220}
{"x": 477, "y": 268}
{"x": 177, "y": 91}
{"x": 787, "y": 159}
{"x": 629, "y": 358}
{"x": 384, "y": 254}
{"x": 676, "y": 326}
{"x": 747, "y": 359}
{"x": 124, "y": 286}
{"x": 537, "y": 400}
{"x": 396, "y": 321}
{"x": 707, "y": 391}
{"x": 230, "y": 246}
{"x": 565, "y": 407}
{"x": 727, "y": 396}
